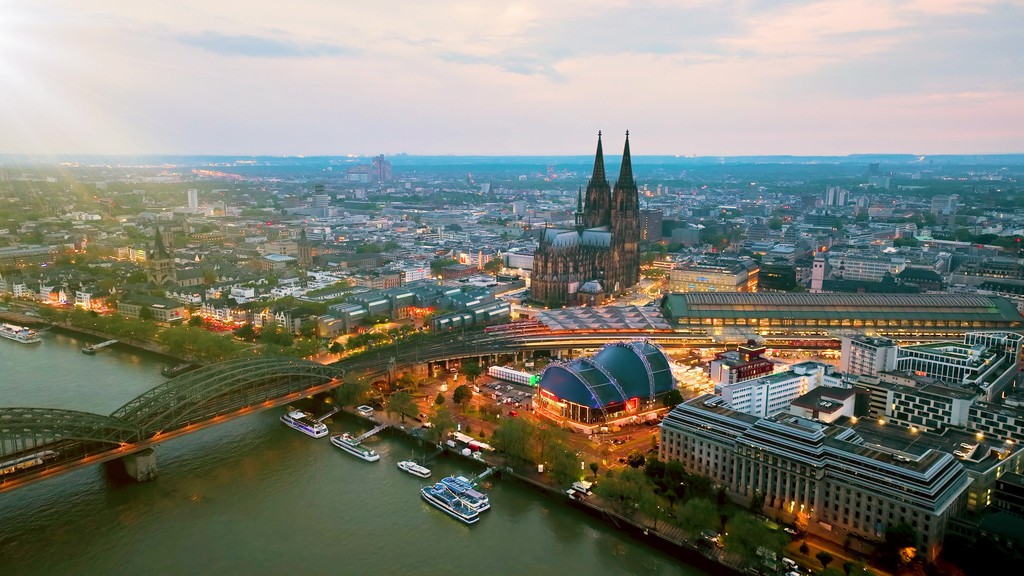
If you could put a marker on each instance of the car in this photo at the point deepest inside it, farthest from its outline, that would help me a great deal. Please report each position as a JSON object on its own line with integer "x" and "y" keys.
{"x": 509, "y": 387}
{"x": 513, "y": 413}
{"x": 790, "y": 530}
{"x": 365, "y": 410}
{"x": 959, "y": 454}
{"x": 789, "y": 562}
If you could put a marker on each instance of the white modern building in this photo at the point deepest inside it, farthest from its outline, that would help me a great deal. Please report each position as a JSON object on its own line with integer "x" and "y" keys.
{"x": 867, "y": 355}
{"x": 772, "y": 394}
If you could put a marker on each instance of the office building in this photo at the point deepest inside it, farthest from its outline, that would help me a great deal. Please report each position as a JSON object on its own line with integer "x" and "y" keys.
{"x": 650, "y": 224}
{"x": 746, "y": 363}
{"x": 715, "y": 275}
{"x": 867, "y": 355}
{"x": 193, "y": 199}
{"x": 771, "y": 394}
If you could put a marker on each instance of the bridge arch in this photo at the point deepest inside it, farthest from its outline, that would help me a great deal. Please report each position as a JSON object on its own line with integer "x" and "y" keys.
{"x": 26, "y": 430}
{"x": 222, "y": 388}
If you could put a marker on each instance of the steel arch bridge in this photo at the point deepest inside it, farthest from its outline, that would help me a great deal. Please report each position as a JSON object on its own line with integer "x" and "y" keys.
{"x": 220, "y": 389}
{"x": 37, "y": 443}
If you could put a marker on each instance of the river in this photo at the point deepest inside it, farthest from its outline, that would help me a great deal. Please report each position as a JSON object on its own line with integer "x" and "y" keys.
{"x": 253, "y": 496}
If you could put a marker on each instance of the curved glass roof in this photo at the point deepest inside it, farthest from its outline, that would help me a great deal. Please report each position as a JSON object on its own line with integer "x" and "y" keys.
{"x": 615, "y": 374}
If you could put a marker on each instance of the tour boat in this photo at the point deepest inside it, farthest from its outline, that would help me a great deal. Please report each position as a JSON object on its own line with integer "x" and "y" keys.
{"x": 347, "y": 443}
{"x": 463, "y": 488}
{"x": 21, "y": 334}
{"x": 305, "y": 423}
{"x": 414, "y": 468}
{"x": 440, "y": 497}
{"x": 172, "y": 371}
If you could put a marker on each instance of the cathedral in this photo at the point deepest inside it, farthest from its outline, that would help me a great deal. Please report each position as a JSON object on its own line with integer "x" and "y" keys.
{"x": 600, "y": 256}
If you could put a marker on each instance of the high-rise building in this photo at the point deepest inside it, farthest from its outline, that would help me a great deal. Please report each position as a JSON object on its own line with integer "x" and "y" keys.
{"x": 601, "y": 254}
{"x": 381, "y": 169}
{"x": 867, "y": 355}
{"x": 650, "y": 224}
{"x": 193, "y": 199}
{"x": 836, "y": 196}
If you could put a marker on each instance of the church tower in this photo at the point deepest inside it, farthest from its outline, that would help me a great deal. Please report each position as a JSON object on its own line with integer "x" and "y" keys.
{"x": 625, "y": 215}
{"x": 159, "y": 263}
{"x": 598, "y": 206}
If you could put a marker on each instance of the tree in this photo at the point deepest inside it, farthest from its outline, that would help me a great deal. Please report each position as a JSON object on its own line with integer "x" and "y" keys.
{"x": 594, "y": 467}
{"x": 721, "y": 497}
{"x": 628, "y": 491}
{"x": 547, "y": 436}
{"x": 697, "y": 514}
{"x": 825, "y": 558}
{"x": 351, "y": 393}
{"x": 402, "y": 403}
{"x": 565, "y": 463}
{"x": 245, "y": 332}
{"x": 898, "y": 540}
{"x": 471, "y": 370}
{"x": 462, "y": 395}
{"x": 441, "y": 423}
{"x": 848, "y": 567}
{"x": 494, "y": 265}
{"x": 145, "y": 313}
{"x": 406, "y": 381}
{"x": 757, "y": 502}
{"x": 513, "y": 437}
{"x": 672, "y": 398}
{"x": 335, "y": 348}
{"x": 804, "y": 548}
{"x": 747, "y": 534}
{"x": 635, "y": 459}
{"x": 196, "y": 320}
{"x": 439, "y": 399}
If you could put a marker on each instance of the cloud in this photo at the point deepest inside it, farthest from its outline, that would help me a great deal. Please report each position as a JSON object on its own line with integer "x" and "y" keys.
{"x": 261, "y": 47}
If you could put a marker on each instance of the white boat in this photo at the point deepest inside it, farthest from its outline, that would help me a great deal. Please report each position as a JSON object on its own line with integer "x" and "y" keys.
{"x": 463, "y": 488}
{"x": 347, "y": 443}
{"x": 414, "y": 468}
{"x": 440, "y": 497}
{"x": 21, "y": 334}
{"x": 305, "y": 423}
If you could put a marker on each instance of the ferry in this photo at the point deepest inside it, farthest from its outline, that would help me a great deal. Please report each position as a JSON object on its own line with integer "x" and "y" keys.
{"x": 463, "y": 488}
{"x": 347, "y": 443}
{"x": 172, "y": 371}
{"x": 414, "y": 468}
{"x": 440, "y": 497}
{"x": 305, "y": 423}
{"x": 21, "y": 334}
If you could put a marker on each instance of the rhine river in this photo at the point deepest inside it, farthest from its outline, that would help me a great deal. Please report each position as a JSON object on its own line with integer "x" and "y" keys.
{"x": 252, "y": 496}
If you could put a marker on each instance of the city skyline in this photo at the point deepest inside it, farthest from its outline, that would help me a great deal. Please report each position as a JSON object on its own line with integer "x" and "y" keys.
{"x": 693, "y": 78}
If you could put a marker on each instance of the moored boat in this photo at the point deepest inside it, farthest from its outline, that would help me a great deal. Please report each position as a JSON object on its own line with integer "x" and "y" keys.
{"x": 22, "y": 334}
{"x": 440, "y": 497}
{"x": 172, "y": 371}
{"x": 305, "y": 423}
{"x": 348, "y": 443}
{"x": 414, "y": 468}
{"x": 463, "y": 488}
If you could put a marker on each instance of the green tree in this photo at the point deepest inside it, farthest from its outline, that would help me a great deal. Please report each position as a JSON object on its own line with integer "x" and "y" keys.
{"x": 351, "y": 392}
{"x": 437, "y": 265}
{"x": 408, "y": 382}
{"x": 746, "y": 534}
{"x": 628, "y": 491}
{"x": 245, "y": 332}
{"x": 565, "y": 463}
{"x": 594, "y": 467}
{"x": 442, "y": 423}
{"x": 897, "y": 538}
{"x": 825, "y": 558}
{"x": 403, "y": 404}
{"x": 145, "y": 313}
{"x": 471, "y": 370}
{"x": 439, "y": 399}
{"x": 196, "y": 320}
{"x": 757, "y": 502}
{"x": 546, "y": 436}
{"x": 513, "y": 436}
{"x": 335, "y": 348}
{"x": 494, "y": 265}
{"x": 635, "y": 459}
{"x": 698, "y": 514}
{"x": 672, "y": 398}
{"x": 462, "y": 395}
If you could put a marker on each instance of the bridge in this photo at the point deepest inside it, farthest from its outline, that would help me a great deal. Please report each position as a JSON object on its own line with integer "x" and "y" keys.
{"x": 40, "y": 443}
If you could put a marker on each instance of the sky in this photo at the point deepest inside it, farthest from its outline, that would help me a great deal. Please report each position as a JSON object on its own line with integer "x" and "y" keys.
{"x": 482, "y": 77}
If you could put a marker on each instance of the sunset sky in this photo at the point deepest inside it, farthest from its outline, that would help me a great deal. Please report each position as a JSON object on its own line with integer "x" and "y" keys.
{"x": 334, "y": 77}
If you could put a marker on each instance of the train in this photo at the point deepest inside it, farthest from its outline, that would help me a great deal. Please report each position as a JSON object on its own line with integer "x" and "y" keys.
{"x": 37, "y": 459}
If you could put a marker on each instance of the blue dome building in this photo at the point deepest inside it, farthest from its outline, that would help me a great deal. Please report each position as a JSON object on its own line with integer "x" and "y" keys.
{"x": 623, "y": 378}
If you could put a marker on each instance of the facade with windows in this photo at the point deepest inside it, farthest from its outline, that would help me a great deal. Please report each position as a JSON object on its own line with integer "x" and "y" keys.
{"x": 825, "y": 473}
{"x": 824, "y": 314}
{"x": 867, "y": 355}
{"x": 987, "y": 360}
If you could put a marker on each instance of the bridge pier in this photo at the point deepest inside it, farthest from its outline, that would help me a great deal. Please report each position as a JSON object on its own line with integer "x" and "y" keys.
{"x": 141, "y": 466}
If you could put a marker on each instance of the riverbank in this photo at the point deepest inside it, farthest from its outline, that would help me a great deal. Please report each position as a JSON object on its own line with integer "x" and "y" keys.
{"x": 665, "y": 537}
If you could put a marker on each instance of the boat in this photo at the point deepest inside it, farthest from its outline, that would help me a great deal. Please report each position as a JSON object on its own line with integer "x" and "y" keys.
{"x": 172, "y": 371}
{"x": 89, "y": 350}
{"x": 347, "y": 443}
{"x": 440, "y": 497}
{"x": 305, "y": 423}
{"x": 22, "y": 334}
{"x": 463, "y": 488}
{"x": 414, "y": 468}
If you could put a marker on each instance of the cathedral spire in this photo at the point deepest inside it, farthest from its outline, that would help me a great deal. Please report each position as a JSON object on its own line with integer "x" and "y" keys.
{"x": 626, "y": 172}
{"x": 158, "y": 247}
{"x": 598, "y": 175}
{"x": 580, "y": 222}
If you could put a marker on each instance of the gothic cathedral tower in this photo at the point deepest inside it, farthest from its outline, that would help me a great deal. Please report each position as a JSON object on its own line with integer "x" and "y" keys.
{"x": 599, "y": 194}
{"x": 624, "y": 266}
